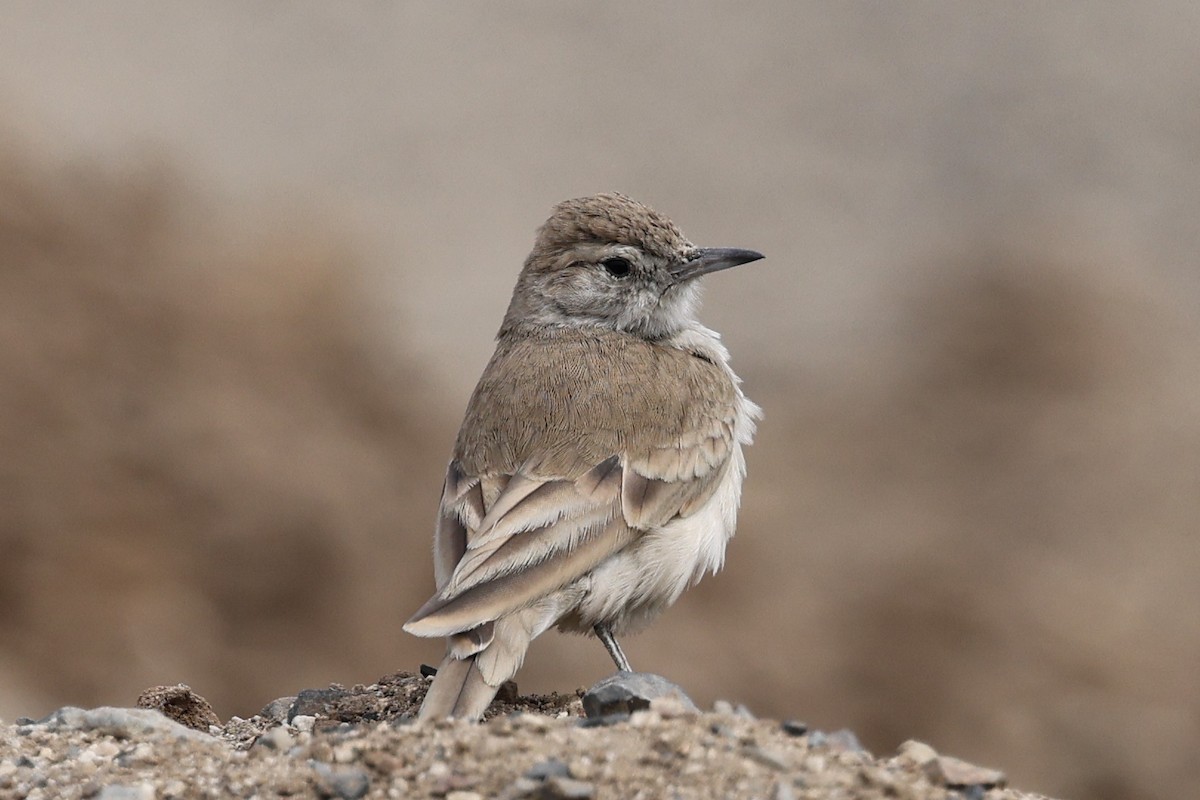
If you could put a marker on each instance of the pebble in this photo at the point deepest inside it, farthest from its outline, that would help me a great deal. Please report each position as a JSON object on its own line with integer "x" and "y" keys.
{"x": 277, "y": 710}
{"x": 139, "y": 791}
{"x": 960, "y": 774}
{"x": 313, "y": 702}
{"x": 104, "y": 749}
{"x": 122, "y": 723}
{"x": 277, "y": 738}
{"x": 181, "y": 704}
{"x": 627, "y": 692}
{"x": 845, "y": 740}
{"x": 348, "y": 783}
{"x": 346, "y": 753}
{"x": 547, "y": 769}
{"x": 768, "y": 758}
{"x": 794, "y": 727}
{"x": 563, "y": 788}
{"x": 303, "y": 722}
{"x": 916, "y": 752}
{"x": 783, "y": 791}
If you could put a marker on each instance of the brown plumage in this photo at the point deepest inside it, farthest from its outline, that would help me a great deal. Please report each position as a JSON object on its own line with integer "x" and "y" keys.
{"x": 598, "y": 468}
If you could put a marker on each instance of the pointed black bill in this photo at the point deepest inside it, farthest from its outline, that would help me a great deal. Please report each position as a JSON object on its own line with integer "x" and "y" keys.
{"x": 714, "y": 259}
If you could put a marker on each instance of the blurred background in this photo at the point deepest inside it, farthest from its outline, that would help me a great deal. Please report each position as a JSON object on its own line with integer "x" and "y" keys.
{"x": 252, "y": 257}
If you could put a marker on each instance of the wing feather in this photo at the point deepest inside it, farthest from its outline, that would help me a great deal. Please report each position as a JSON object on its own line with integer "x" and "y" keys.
{"x": 530, "y": 507}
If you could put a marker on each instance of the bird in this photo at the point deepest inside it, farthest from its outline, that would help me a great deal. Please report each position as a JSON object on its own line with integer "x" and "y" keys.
{"x": 598, "y": 470}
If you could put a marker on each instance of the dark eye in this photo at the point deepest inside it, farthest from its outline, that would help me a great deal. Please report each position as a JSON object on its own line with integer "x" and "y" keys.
{"x": 617, "y": 267}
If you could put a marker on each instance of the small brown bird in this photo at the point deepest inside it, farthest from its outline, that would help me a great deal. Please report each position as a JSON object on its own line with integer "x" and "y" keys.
{"x": 598, "y": 471}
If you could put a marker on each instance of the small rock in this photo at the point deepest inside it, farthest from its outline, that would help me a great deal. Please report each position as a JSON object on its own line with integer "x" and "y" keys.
{"x": 794, "y": 727}
{"x": 346, "y": 752}
{"x": 303, "y": 722}
{"x": 459, "y": 794}
{"x": 523, "y": 787}
{"x": 428, "y": 671}
{"x": 140, "y": 791}
{"x": 768, "y": 758}
{"x": 627, "y": 692}
{"x": 313, "y": 702}
{"x": 925, "y": 757}
{"x": 722, "y": 707}
{"x": 564, "y": 788}
{"x": 547, "y": 769}
{"x": 120, "y": 723}
{"x": 181, "y": 704}
{"x": 277, "y": 739}
{"x": 845, "y": 741}
{"x": 103, "y": 750}
{"x": 277, "y": 710}
{"x": 347, "y": 783}
{"x": 960, "y": 774}
{"x": 783, "y": 791}
{"x": 724, "y": 731}
{"x": 916, "y": 752}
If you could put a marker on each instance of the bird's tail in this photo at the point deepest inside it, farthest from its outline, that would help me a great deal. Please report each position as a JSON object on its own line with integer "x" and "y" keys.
{"x": 478, "y": 661}
{"x": 458, "y": 690}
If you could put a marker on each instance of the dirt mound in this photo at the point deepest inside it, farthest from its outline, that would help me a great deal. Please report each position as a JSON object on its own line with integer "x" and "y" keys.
{"x": 522, "y": 752}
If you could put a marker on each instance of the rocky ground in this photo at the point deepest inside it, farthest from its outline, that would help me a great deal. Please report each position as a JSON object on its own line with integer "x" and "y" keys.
{"x": 363, "y": 742}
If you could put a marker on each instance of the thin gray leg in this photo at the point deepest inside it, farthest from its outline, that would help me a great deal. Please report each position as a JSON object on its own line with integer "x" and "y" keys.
{"x": 614, "y": 649}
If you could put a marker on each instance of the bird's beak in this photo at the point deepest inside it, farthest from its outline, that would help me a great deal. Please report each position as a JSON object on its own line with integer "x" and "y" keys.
{"x": 713, "y": 259}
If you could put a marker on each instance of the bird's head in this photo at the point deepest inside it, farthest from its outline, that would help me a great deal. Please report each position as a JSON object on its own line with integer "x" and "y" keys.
{"x": 609, "y": 261}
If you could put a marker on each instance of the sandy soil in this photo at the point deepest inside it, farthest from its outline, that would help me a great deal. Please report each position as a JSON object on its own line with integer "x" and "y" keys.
{"x": 362, "y": 742}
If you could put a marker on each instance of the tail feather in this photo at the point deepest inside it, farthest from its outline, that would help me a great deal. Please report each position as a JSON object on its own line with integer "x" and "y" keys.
{"x": 469, "y": 678}
{"x": 458, "y": 690}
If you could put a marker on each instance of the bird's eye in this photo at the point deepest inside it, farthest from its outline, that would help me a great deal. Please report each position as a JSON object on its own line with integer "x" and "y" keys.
{"x": 617, "y": 267}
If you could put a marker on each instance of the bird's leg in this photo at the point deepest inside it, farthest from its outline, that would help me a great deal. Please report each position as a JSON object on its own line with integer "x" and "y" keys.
{"x": 614, "y": 649}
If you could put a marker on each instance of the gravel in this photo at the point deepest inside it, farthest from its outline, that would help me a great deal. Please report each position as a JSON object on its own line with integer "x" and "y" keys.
{"x": 531, "y": 747}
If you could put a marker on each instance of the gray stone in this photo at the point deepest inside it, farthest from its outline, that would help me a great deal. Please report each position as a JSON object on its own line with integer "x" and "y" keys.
{"x": 277, "y": 738}
{"x": 627, "y": 692}
{"x": 843, "y": 741}
{"x": 277, "y": 710}
{"x": 768, "y": 758}
{"x": 141, "y": 791}
{"x": 547, "y": 769}
{"x": 122, "y": 723}
{"x": 793, "y": 727}
{"x": 316, "y": 702}
{"x": 783, "y": 791}
{"x": 345, "y": 782}
{"x": 963, "y": 775}
{"x": 564, "y": 788}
